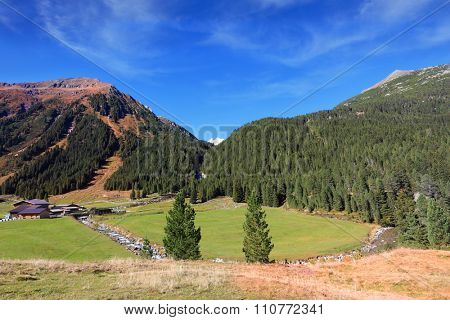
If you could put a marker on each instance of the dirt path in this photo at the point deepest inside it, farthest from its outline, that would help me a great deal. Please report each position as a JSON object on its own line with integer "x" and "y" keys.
{"x": 95, "y": 189}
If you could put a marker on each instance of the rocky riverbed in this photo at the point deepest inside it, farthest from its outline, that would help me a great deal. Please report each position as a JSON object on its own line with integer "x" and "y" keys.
{"x": 132, "y": 244}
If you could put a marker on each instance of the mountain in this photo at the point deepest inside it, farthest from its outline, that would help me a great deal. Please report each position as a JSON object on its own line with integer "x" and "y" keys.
{"x": 54, "y": 136}
{"x": 358, "y": 157}
{"x": 394, "y": 75}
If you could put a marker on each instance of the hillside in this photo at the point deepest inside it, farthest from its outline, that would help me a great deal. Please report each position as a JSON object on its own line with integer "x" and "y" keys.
{"x": 55, "y": 135}
{"x": 359, "y": 157}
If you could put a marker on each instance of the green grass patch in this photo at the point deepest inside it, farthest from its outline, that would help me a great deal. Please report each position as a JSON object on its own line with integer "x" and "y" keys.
{"x": 63, "y": 238}
{"x": 295, "y": 235}
{"x": 5, "y": 207}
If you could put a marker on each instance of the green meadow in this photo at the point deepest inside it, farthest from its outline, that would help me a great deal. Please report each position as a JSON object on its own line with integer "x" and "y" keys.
{"x": 295, "y": 235}
{"x": 61, "y": 239}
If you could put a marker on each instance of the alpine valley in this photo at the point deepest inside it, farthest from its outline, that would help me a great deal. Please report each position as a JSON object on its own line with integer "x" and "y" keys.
{"x": 392, "y": 139}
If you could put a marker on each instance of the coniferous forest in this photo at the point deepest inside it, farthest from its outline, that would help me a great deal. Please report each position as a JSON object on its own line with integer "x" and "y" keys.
{"x": 370, "y": 155}
{"x": 61, "y": 170}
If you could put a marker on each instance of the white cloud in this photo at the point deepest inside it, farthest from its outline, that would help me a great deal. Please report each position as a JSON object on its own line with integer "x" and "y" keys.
{"x": 229, "y": 35}
{"x": 392, "y": 11}
{"x": 276, "y": 3}
{"x": 435, "y": 35}
{"x": 6, "y": 19}
{"x": 104, "y": 32}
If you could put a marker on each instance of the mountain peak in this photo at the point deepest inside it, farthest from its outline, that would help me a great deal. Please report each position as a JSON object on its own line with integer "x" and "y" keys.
{"x": 66, "y": 89}
{"x": 63, "y": 83}
{"x": 394, "y": 75}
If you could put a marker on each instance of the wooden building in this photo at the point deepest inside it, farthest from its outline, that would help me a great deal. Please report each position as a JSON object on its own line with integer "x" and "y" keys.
{"x": 30, "y": 209}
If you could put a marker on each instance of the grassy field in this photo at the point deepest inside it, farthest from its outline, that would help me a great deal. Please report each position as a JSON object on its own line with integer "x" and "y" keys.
{"x": 398, "y": 274}
{"x": 64, "y": 239}
{"x": 5, "y": 207}
{"x": 295, "y": 235}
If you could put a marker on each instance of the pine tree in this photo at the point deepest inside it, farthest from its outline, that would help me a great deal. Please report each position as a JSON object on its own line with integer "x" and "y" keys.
{"x": 202, "y": 193}
{"x": 438, "y": 224}
{"x": 182, "y": 239}
{"x": 403, "y": 205}
{"x": 193, "y": 193}
{"x": 415, "y": 233}
{"x": 238, "y": 194}
{"x": 257, "y": 242}
{"x": 338, "y": 203}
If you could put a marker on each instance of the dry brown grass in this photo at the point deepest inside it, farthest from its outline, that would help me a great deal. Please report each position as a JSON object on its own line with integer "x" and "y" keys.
{"x": 168, "y": 277}
{"x": 399, "y": 274}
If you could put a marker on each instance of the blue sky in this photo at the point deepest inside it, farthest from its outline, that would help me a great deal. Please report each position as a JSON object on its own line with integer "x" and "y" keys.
{"x": 214, "y": 63}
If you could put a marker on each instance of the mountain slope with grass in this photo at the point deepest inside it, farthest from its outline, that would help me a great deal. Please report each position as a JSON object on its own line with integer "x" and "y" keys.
{"x": 55, "y": 135}
{"x": 358, "y": 157}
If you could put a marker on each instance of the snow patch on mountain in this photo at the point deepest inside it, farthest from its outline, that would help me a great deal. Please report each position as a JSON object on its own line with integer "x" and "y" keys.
{"x": 216, "y": 141}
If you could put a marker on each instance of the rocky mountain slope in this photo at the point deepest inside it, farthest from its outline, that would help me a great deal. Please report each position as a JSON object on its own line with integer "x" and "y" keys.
{"x": 54, "y": 136}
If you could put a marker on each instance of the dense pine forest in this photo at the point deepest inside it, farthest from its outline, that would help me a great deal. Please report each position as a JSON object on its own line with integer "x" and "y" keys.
{"x": 363, "y": 156}
{"x": 164, "y": 163}
{"x": 61, "y": 170}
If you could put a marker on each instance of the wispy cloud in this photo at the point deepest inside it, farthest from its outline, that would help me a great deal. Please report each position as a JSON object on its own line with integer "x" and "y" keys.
{"x": 335, "y": 34}
{"x": 277, "y": 3}
{"x": 6, "y": 19}
{"x": 435, "y": 35}
{"x": 392, "y": 11}
{"x": 104, "y": 31}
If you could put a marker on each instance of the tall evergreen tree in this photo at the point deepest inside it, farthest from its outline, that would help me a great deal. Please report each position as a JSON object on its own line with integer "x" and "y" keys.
{"x": 438, "y": 224}
{"x": 415, "y": 233}
{"x": 257, "y": 242}
{"x": 238, "y": 194}
{"x": 193, "y": 194}
{"x": 182, "y": 238}
{"x": 404, "y": 205}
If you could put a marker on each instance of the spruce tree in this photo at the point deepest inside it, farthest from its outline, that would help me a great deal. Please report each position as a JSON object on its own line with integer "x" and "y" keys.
{"x": 238, "y": 194}
{"x": 415, "y": 233}
{"x": 193, "y": 193}
{"x": 438, "y": 224}
{"x": 404, "y": 204}
{"x": 182, "y": 238}
{"x": 257, "y": 242}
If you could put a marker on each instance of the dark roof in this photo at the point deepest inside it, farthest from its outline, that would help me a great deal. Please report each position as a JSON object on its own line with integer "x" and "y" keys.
{"x": 33, "y": 202}
{"x": 33, "y": 210}
{"x": 37, "y": 202}
{"x": 67, "y": 206}
{"x": 19, "y": 208}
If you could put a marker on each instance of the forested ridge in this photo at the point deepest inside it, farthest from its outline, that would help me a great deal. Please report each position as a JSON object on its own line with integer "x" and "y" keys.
{"x": 166, "y": 162}
{"x": 158, "y": 155}
{"x": 359, "y": 157}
